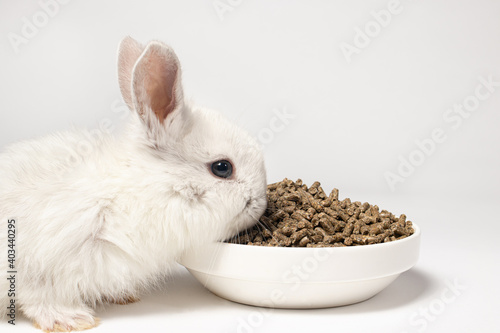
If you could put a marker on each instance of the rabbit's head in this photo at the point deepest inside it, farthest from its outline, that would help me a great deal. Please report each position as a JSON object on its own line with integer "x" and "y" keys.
{"x": 210, "y": 171}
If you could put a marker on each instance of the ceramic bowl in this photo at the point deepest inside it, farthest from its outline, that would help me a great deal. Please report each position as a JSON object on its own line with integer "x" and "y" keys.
{"x": 301, "y": 278}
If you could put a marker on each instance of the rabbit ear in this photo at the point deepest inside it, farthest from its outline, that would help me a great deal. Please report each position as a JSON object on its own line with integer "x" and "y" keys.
{"x": 156, "y": 83}
{"x": 129, "y": 51}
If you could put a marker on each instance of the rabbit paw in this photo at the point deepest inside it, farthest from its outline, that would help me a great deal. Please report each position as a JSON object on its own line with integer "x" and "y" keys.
{"x": 64, "y": 320}
{"x": 122, "y": 301}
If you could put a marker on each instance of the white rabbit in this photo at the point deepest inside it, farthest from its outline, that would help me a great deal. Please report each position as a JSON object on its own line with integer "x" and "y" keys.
{"x": 109, "y": 227}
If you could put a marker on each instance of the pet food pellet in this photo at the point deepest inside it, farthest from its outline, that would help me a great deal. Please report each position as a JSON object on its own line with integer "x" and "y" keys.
{"x": 301, "y": 216}
{"x": 298, "y": 235}
{"x": 304, "y": 241}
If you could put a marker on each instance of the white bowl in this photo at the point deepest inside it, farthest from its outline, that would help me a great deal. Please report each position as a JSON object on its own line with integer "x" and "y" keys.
{"x": 301, "y": 278}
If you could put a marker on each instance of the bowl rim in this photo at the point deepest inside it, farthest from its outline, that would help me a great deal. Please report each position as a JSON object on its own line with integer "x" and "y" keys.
{"x": 410, "y": 242}
{"x": 410, "y": 238}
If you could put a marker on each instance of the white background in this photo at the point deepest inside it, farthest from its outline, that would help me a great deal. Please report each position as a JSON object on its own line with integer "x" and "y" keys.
{"x": 353, "y": 121}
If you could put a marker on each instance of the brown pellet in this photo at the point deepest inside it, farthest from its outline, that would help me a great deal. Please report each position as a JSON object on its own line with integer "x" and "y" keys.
{"x": 304, "y": 241}
{"x": 302, "y": 216}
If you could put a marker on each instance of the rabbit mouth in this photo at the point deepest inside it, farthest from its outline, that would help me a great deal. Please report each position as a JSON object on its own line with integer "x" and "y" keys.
{"x": 251, "y": 213}
{"x": 249, "y": 202}
{"x": 251, "y": 208}
{"x": 247, "y": 218}
{"x": 246, "y": 212}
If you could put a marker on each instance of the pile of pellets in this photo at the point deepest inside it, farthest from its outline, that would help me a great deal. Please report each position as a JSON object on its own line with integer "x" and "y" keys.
{"x": 301, "y": 216}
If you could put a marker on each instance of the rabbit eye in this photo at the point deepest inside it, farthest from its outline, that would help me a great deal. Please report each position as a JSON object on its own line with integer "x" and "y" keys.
{"x": 222, "y": 169}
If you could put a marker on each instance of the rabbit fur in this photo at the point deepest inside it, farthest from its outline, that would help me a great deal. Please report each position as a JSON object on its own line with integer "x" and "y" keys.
{"x": 110, "y": 225}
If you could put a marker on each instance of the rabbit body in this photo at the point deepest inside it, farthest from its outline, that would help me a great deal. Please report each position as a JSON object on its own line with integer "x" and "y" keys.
{"x": 103, "y": 218}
